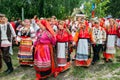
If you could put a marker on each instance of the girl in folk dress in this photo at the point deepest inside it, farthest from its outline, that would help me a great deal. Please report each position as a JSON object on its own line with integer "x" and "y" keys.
{"x": 44, "y": 62}
{"x": 64, "y": 38}
{"x": 110, "y": 45}
{"x": 82, "y": 39}
{"x": 26, "y": 36}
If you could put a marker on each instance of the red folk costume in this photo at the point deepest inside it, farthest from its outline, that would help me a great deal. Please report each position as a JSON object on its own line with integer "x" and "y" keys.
{"x": 63, "y": 50}
{"x": 110, "y": 45}
{"x": 81, "y": 38}
{"x": 43, "y": 56}
{"x": 25, "y": 53}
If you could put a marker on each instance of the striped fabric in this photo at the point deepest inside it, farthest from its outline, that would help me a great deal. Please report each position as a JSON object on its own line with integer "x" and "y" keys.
{"x": 25, "y": 50}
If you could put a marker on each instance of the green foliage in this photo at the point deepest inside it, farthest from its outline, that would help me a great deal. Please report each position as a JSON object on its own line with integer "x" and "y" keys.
{"x": 87, "y": 9}
{"x": 114, "y": 8}
{"x": 100, "y": 7}
{"x": 60, "y": 8}
{"x": 42, "y": 8}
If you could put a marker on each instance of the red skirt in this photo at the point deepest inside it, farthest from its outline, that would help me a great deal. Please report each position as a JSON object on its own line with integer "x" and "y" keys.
{"x": 83, "y": 62}
{"x": 44, "y": 72}
{"x": 108, "y": 56}
{"x": 61, "y": 69}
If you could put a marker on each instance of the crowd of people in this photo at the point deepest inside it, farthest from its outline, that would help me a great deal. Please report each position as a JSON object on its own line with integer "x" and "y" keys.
{"x": 48, "y": 43}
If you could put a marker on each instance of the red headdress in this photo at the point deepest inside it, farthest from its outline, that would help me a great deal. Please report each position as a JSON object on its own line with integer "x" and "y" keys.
{"x": 46, "y": 24}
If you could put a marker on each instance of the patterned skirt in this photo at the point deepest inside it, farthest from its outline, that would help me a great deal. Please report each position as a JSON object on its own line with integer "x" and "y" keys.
{"x": 62, "y": 53}
{"x": 44, "y": 63}
{"x": 82, "y": 54}
{"x": 110, "y": 47}
{"x": 25, "y": 54}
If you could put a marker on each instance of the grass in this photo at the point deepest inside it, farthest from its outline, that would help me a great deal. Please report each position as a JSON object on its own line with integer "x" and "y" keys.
{"x": 99, "y": 71}
{"x": 20, "y": 73}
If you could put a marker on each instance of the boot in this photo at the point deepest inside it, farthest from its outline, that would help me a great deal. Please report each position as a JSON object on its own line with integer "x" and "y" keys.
{"x": 10, "y": 68}
{"x": 7, "y": 67}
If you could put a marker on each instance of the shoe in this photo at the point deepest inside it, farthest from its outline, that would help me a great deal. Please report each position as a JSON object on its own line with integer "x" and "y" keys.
{"x": 73, "y": 59}
{"x": 93, "y": 63}
{"x": 10, "y": 68}
{"x": 109, "y": 60}
{"x": 31, "y": 65}
{"x": 104, "y": 59}
{"x": 10, "y": 71}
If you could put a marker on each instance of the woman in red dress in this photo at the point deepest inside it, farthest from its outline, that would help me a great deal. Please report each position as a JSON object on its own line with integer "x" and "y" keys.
{"x": 64, "y": 38}
{"x": 44, "y": 62}
{"x": 81, "y": 40}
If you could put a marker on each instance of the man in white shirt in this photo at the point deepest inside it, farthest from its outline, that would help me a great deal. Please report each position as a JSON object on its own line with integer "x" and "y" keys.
{"x": 6, "y": 33}
{"x": 97, "y": 41}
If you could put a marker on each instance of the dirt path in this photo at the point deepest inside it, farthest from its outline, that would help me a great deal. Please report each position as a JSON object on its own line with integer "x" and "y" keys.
{"x": 112, "y": 74}
{"x": 27, "y": 73}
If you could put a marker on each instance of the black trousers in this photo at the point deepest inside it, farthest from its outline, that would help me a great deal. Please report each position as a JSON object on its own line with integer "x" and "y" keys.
{"x": 96, "y": 52}
{"x": 6, "y": 57}
{"x": 5, "y": 54}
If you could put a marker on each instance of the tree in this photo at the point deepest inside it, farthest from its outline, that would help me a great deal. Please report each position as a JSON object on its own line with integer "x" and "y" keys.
{"x": 114, "y": 8}
{"x": 46, "y": 8}
{"x": 100, "y": 7}
{"x": 42, "y": 8}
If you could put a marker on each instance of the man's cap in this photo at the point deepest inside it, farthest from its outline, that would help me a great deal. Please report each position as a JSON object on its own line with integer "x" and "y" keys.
{"x": 2, "y": 15}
